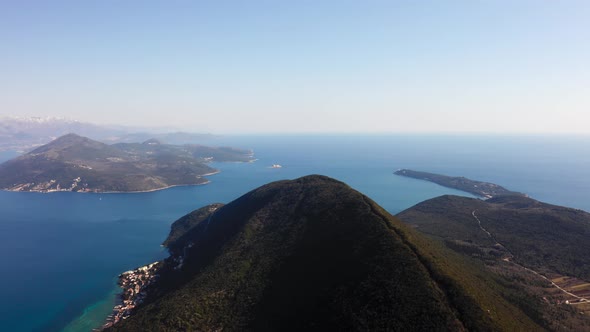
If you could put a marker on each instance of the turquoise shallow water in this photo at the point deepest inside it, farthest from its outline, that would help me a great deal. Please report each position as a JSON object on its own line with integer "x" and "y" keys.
{"x": 62, "y": 252}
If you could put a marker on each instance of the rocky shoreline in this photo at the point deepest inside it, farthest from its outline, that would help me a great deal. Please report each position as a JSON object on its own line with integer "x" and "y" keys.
{"x": 133, "y": 283}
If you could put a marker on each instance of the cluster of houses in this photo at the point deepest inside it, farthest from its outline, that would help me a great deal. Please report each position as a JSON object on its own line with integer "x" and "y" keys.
{"x": 133, "y": 284}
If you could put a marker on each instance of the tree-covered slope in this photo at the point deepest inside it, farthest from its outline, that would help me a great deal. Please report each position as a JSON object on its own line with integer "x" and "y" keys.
{"x": 542, "y": 236}
{"x": 314, "y": 254}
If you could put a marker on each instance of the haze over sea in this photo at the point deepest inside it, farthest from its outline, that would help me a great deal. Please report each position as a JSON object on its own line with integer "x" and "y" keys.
{"x": 62, "y": 252}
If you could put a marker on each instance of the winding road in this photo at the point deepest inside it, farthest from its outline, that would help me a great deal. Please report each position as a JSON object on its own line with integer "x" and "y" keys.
{"x": 509, "y": 259}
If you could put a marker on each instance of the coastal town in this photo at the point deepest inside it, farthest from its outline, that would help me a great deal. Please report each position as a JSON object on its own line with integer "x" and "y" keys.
{"x": 133, "y": 283}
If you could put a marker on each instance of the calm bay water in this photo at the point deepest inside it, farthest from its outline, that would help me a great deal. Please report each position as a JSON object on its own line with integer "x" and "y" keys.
{"x": 62, "y": 252}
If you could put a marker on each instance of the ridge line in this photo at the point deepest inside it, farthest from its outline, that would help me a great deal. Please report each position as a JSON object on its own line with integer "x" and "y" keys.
{"x": 429, "y": 270}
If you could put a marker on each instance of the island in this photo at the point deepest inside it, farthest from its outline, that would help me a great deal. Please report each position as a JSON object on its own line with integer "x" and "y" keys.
{"x": 80, "y": 164}
{"x": 478, "y": 188}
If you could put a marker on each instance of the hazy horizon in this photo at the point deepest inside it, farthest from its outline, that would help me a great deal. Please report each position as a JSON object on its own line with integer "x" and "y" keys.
{"x": 131, "y": 129}
{"x": 263, "y": 67}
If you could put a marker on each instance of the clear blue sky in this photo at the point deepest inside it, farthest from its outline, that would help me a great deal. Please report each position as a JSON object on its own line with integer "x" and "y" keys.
{"x": 301, "y": 66}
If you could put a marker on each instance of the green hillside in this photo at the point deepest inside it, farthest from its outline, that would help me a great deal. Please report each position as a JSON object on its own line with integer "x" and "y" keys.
{"x": 314, "y": 254}
{"x": 542, "y": 236}
{"x": 521, "y": 243}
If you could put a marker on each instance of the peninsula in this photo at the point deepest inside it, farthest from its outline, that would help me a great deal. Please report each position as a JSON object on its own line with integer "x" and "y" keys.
{"x": 481, "y": 189}
{"x": 80, "y": 164}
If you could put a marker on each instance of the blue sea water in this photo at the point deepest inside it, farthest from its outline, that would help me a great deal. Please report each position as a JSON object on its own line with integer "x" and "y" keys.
{"x": 62, "y": 252}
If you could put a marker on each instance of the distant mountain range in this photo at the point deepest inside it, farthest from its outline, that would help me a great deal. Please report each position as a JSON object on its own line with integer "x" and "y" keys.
{"x": 76, "y": 163}
{"x": 312, "y": 254}
{"x": 26, "y": 133}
